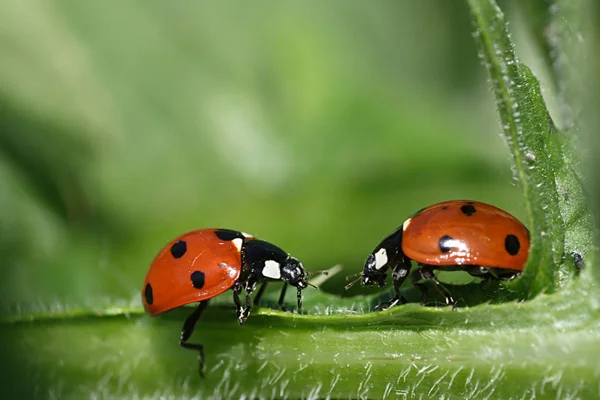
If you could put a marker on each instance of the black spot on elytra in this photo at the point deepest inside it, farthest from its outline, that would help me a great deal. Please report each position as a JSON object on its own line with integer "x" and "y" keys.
{"x": 197, "y": 278}
{"x": 228, "y": 234}
{"x": 444, "y": 207}
{"x": 444, "y": 243}
{"x": 178, "y": 249}
{"x": 468, "y": 210}
{"x": 512, "y": 244}
{"x": 148, "y": 295}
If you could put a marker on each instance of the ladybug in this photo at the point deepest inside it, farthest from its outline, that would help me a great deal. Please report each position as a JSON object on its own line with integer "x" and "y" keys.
{"x": 470, "y": 236}
{"x": 202, "y": 264}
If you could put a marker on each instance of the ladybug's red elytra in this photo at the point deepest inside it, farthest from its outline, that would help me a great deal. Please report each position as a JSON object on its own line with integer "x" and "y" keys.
{"x": 202, "y": 264}
{"x": 470, "y": 236}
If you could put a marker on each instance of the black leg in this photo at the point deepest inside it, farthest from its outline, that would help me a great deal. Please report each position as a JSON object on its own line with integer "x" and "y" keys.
{"x": 282, "y": 296}
{"x": 299, "y": 295}
{"x": 261, "y": 290}
{"x": 501, "y": 274}
{"x": 248, "y": 305}
{"x": 493, "y": 272}
{"x": 237, "y": 289}
{"x": 250, "y": 286}
{"x": 427, "y": 274}
{"x": 389, "y": 304}
{"x": 414, "y": 278}
{"x": 188, "y": 329}
{"x": 399, "y": 274}
{"x": 424, "y": 291}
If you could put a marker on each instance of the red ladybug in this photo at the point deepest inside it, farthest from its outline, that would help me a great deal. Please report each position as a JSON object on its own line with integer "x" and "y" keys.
{"x": 470, "y": 236}
{"x": 202, "y": 264}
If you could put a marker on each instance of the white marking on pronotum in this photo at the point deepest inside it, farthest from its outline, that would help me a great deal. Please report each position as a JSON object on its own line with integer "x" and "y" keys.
{"x": 406, "y": 224}
{"x": 246, "y": 235}
{"x": 381, "y": 258}
{"x": 237, "y": 242}
{"x": 272, "y": 269}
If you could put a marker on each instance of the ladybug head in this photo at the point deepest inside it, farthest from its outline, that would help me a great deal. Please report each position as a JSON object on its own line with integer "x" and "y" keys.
{"x": 388, "y": 254}
{"x": 374, "y": 272}
{"x": 293, "y": 273}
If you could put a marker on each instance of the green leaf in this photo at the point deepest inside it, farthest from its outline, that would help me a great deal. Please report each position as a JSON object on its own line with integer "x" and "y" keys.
{"x": 527, "y": 126}
{"x": 408, "y": 351}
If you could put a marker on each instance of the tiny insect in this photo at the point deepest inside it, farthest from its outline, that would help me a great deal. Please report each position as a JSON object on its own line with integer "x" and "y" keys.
{"x": 202, "y": 264}
{"x": 464, "y": 235}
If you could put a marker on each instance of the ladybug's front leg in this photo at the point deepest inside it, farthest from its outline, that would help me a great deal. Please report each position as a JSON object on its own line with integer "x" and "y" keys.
{"x": 399, "y": 274}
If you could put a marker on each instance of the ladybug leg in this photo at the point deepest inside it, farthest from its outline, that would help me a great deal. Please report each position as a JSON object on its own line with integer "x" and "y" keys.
{"x": 415, "y": 277}
{"x": 424, "y": 291}
{"x": 389, "y": 304}
{"x": 237, "y": 289}
{"x": 299, "y": 296}
{"x": 248, "y": 308}
{"x": 492, "y": 273}
{"x": 188, "y": 329}
{"x": 427, "y": 274}
{"x": 282, "y": 297}
{"x": 261, "y": 290}
{"x": 250, "y": 286}
{"x": 399, "y": 274}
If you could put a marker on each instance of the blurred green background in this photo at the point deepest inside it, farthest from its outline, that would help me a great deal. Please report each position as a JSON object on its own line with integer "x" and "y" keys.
{"x": 317, "y": 126}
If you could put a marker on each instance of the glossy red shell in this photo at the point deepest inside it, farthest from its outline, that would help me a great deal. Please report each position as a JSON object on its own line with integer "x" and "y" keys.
{"x": 466, "y": 232}
{"x": 168, "y": 283}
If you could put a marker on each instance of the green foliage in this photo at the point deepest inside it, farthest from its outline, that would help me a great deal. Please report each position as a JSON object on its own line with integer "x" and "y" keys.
{"x": 321, "y": 142}
{"x": 477, "y": 352}
{"x": 526, "y": 125}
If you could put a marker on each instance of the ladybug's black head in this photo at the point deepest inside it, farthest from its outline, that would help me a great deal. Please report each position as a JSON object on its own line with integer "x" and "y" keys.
{"x": 388, "y": 254}
{"x": 374, "y": 272}
{"x": 293, "y": 273}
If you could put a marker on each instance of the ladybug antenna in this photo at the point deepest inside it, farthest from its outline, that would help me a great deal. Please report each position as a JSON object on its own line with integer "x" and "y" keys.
{"x": 348, "y": 286}
{"x": 352, "y": 276}
{"x": 315, "y": 286}
{"x": 323, "y": 275}
{"x": 322, "y": 271}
